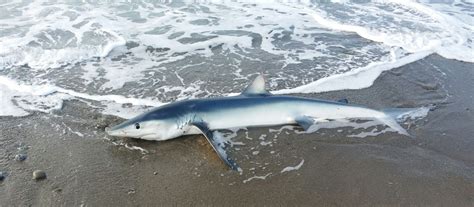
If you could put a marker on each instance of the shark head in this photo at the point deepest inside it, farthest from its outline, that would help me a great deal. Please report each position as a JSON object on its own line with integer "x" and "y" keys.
{"x": 143, "y": 127}
{"x": 160, "y": 123}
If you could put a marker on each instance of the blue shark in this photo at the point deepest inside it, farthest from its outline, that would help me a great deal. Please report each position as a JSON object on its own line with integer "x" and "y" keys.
{"x": 254, "y": 107}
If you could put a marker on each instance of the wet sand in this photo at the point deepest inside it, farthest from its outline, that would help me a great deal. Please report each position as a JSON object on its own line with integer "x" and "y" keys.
{"x": 435, "y": 167}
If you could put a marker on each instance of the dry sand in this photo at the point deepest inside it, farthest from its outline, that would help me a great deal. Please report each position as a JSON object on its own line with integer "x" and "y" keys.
{"x": 433, "y": 168}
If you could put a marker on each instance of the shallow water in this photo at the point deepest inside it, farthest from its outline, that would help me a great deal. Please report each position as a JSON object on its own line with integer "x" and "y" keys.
{"x": 145, "y": 54}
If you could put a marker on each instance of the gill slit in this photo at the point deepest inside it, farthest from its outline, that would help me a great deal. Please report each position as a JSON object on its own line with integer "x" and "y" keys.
{"x": 185, "y": 120}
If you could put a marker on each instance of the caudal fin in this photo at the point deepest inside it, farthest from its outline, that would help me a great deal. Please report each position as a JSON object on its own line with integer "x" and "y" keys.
{"x": 392, "y": 115}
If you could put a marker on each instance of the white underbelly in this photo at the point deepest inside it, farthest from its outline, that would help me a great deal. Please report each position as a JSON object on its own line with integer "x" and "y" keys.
{"x": 258, "y": 116}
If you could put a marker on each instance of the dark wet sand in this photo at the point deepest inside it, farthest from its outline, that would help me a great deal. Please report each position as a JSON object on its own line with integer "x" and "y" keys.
{"x": 434, "y": 168}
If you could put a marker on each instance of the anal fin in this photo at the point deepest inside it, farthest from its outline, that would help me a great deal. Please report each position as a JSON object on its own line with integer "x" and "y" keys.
{"x": 216, "y": 145}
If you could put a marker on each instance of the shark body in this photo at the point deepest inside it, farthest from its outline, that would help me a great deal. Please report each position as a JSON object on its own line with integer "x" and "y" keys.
{"x": 254, "y": 107}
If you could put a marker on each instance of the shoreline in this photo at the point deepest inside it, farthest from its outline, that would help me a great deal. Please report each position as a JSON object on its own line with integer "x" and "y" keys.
{"x": 434, "y": 168}
{"x": 345, "y": 81}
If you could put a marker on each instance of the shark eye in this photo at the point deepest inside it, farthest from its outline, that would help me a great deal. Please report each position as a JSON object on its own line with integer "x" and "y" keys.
{"x": 137, "y": 126}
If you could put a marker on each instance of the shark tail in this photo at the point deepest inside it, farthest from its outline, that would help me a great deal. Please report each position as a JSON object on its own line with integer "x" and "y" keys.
{"x": 392, "y": 116}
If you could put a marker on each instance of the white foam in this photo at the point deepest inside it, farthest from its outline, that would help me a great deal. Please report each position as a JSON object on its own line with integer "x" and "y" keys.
{"x": 372, "y": 133}
{"x": 227, "y": 137}
{"x": 8, "y": 108}
{"x": 117, "y": 28}
{"x": 50, "y": 50}
{"x": 443, "y": 32}
{"x": 458, "y": 22}
{"x": 257, "y": 178}
{"x": 37, "y": 96}
{"x": 116, "y": 109}
{"x": 446, "y": 29}
{"x": 356, "y": 79}
{"x": 417, "y": 113}
{"x": 291, "y": 168}
{"x": 339, "y": 123}
{"x": 128, "y": 146}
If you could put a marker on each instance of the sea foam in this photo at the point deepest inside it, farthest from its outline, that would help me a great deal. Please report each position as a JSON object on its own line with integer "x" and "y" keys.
{"x": 143, "y": 53}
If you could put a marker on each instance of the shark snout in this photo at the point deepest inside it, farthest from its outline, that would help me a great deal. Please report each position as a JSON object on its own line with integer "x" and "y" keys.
{"x": 115, "y": 132}
{"x": 109, "y": 130}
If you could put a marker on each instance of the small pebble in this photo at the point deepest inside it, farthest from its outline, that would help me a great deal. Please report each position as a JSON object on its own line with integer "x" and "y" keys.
{"x": 155, "y": 173}
{"x": 20, "y": 157}
{"x": 39, "y": 175}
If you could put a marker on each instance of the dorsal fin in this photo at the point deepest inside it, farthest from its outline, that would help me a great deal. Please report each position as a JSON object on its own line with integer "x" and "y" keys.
{"x": 257, "y": 87}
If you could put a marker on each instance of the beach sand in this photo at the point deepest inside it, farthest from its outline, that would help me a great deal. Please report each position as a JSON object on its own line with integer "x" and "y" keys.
{"x": 434, "y": 167}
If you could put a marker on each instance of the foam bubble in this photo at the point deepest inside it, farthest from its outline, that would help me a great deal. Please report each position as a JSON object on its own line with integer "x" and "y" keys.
{"x": 291, "y": 168}
{"x": 263, "y": 177}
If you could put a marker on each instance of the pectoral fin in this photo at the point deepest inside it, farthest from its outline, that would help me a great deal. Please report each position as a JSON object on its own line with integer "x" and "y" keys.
{"x": 219, "y": 147}
{"x": 305, "y": 122}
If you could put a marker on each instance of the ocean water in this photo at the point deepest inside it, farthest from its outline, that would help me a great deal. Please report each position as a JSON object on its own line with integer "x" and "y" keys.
{"x": 134, "y": 54}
